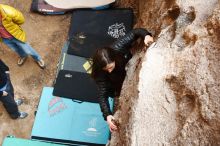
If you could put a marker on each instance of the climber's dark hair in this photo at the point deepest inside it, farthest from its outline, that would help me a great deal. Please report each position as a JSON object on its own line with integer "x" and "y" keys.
{"x": 101, "y": 58}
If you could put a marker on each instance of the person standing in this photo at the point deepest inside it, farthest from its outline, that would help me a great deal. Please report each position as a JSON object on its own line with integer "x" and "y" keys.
{"x": 7, "y": 94}
{"x": 14, "y": 36}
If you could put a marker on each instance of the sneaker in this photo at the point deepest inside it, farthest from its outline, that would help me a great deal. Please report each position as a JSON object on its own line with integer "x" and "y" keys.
{"x": 21, "y": 60}
{"x": 22, "y": 115}
{"x": 19, "y": 101}
{"x": 41, "y": 64}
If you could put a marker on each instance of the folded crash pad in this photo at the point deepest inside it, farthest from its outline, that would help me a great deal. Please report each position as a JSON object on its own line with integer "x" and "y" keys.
{"x": 12, "y": 141}
{"x": 75, "y": 85}
{"x": 67, "y": 121}
{"x": 90, "y": 30}
{"x": 73, "y": 62}
{"x": 41, "y": 6}
{"x": 72, "y": 4}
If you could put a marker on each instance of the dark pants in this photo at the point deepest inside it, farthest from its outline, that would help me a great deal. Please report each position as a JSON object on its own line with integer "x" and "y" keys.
{"x": 9, "y": 102}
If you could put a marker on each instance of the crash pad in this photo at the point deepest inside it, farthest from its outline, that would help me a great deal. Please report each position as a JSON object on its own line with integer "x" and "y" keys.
{"x": 76, "y": 85}
{"x": 73, "y": 62}
{"x": 72, "y": 4}
{"x": 69, "y": 121}
{"x": 91, "y": 30}
{"x": 42, "y": 7}
{"x": 12, "y": 141}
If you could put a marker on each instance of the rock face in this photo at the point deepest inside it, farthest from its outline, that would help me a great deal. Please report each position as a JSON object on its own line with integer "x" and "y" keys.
{"x": 171, "y": 95}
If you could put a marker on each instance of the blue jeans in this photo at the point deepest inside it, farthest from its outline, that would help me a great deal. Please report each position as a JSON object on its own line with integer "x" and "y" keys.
{"x": 22, "y": 49}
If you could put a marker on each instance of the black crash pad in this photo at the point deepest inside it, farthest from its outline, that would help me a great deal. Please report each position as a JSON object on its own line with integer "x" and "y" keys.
{"x": 76, "y": 85}
{"x": 91, "y": 29}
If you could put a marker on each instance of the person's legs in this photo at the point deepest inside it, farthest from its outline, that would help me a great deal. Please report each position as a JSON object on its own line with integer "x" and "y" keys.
{"x": 17, "y": 101}
{"x": 25, "y": 47}
{"x": 11, "y": 44}
{"x": 10, "y": 84}
{"x": 9, "y": 103}
{"x": 30, "y": 51}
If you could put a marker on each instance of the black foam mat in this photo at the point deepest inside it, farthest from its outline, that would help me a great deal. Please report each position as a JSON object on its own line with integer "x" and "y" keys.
{"x": 94, "y": 29}
{"x": 75, "y": 85}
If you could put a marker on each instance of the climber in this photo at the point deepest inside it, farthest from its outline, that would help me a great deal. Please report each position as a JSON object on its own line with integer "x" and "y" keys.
{"x": 108, "y": 69}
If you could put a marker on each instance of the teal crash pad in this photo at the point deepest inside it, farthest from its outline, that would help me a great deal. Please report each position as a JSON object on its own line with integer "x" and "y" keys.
{"x": 66, "y": 121}
{"x": 11, "y": 141}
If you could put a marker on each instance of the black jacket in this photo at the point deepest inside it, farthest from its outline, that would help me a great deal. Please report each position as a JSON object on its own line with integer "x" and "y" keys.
{"x": 3, "y": 75}
{"x": 109, "y": 84}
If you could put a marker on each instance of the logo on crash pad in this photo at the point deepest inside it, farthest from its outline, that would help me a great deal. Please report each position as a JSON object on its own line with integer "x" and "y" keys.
{"x": 92, "y": 125}
{"x": 116, "y": 30}
{"x": 91, "y": 130}
{"x": 55, "y": 106}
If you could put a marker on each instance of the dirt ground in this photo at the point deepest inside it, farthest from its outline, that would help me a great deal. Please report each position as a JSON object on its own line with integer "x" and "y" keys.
{"x": 47, "y": 35}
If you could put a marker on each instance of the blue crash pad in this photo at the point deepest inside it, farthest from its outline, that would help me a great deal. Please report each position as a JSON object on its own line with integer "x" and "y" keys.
{"x": 11, "y": 141}
{"x": 66, "y": 121}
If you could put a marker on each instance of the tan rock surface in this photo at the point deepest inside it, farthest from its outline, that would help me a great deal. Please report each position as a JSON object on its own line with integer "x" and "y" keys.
{"x": 173, "y": 96}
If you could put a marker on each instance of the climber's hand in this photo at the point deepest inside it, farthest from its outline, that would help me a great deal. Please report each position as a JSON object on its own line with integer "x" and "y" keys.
{"x": 148, "y": 40}
{"x": 110, "y": 121}
{"x": 5, "y": 93}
